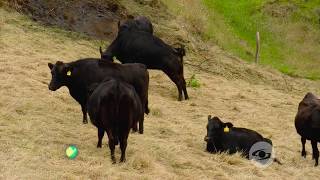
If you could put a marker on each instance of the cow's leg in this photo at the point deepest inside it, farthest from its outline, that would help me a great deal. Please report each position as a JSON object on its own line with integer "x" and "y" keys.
{"x": 111, "y": 145}
{"x": 123, "y": 147}
{"x": 175, "y": 78}
{"x": 141, "y": 125}
{"x": 84, "y": 112}
{"x": 146, "y": 110}
{"x": 100, "y": 137}
{"x": 177, "y": 81}
{"x": 184, "y": 86}
{"x": 315, "y": 151}
{"x": 135, "y": 127}
{"x": 179, "y": 91}
{"x": 303, "y": 152}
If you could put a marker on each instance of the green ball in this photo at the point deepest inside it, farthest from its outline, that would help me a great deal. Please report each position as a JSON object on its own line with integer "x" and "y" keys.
{"x": 72, "y": 152}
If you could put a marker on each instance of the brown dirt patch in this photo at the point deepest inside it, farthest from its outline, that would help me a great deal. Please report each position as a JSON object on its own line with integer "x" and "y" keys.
{"x": 96, "y": 18}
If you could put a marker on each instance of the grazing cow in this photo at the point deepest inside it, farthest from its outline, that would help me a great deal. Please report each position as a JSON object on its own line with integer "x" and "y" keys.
{"x": 139, "y": 23}
{"x": 79, "y": 75}
{"x": 223, "y": 137}
{"x": 142, "y": 47}
{"x": 307, "y": 123}
{"x": 114, "y": 107}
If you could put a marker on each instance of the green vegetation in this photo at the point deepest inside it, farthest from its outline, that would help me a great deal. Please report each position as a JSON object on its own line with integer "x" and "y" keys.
{"x": 289, "y": 30}
{"x": 193, "y": 82}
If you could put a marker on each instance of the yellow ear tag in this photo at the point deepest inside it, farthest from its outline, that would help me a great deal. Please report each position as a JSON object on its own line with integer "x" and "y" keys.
{"x": 69, "y": 73}
{"x": 226, "y": 129}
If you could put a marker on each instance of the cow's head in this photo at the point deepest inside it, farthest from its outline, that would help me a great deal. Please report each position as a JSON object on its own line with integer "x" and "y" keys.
{"x": 126, "y": 25}
{"x": 61, "y": 74}
{"x": 215, "y": 128}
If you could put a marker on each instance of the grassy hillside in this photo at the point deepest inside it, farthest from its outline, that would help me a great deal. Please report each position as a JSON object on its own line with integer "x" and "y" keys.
{"x": 290, "y": 35}
{"x": 36, "y": 125}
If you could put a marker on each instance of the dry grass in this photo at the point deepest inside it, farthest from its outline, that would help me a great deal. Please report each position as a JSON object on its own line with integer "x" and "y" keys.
{"x": 36, "y": 125}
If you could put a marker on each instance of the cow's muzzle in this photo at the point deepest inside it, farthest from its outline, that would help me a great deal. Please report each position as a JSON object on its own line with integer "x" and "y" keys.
{"x": 52, "y": 88}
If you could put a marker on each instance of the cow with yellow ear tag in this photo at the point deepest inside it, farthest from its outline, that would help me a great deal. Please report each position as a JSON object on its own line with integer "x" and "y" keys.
{"x": 224, "y": 137}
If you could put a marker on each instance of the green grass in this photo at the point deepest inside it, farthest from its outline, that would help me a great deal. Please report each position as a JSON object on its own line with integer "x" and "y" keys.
{"x": 284, "y": 43}
{"x": 193, "y": 82}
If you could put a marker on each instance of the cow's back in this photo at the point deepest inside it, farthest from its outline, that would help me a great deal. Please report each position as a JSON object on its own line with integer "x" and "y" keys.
{"x": 91, "y": 70}
{"x": 240, "y": 139}
{"x": 117, "y": 101}
{"x": 143, "y": 48}
{"x": 102, "y": 96}
{"x": 130, "y": 109}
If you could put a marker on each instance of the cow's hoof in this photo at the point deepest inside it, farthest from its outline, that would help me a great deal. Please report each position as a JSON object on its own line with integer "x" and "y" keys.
{"x": 113, "y": 159}
{"x": 140, "y": 132}
{"x": 122, "y": 160}
{"x": 85, "y": 122}
{"x": 304, "y": 154}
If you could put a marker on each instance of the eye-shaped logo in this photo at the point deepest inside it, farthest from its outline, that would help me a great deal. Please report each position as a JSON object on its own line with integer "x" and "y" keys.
{"x": 261, "y": 154}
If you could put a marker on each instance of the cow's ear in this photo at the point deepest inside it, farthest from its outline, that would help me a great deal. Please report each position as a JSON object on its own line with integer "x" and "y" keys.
{"x": 209, "y": 117}
{"x": 228, "y": 124}
{"x": 50, "y": 65}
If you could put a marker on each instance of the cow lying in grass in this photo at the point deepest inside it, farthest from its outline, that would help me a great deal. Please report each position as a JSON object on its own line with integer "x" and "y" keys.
{"x": 114, "y": 107}
{"x": 223, "y": 137}
{"x": 307, "y": 123}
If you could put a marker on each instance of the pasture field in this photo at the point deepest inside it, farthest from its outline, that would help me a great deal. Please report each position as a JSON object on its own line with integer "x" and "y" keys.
{"x": 37, "y": 125}
{"x": 289, "y": 31}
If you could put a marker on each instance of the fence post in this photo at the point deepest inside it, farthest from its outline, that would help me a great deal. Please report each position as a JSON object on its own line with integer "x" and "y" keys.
{"x": 257, "y": 47}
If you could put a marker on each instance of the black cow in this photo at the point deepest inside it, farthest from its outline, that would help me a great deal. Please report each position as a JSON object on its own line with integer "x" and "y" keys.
{"x": 223, "y": 137}
{"x": 115, "y": 107}
{"x": 143, "y": 47}
{"x": 139, "y": 23}
{"x": 307, "y": 123}
{"x": 79, "y": 75}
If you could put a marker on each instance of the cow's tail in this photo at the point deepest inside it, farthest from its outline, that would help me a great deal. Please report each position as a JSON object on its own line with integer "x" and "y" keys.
{"x": 115, "y": 132}
{"x": 181, "y": 52}
{"x": 112, "y": 114}
{"x": 277, "y": 161}
{"x": 115, "y": 129}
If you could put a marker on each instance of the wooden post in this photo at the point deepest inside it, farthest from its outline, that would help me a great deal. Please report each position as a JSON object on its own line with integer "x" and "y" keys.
{"x": 257, "y": 47}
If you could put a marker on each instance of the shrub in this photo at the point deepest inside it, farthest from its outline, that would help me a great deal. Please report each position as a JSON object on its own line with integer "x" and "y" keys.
{"x": 193, "y": 82}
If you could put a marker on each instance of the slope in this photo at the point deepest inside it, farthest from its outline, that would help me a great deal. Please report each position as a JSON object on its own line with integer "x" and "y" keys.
{"x": 36, "y": 125}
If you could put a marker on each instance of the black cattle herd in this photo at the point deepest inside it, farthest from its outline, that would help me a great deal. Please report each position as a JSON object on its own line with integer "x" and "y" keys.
{"x": 116, "y": 95}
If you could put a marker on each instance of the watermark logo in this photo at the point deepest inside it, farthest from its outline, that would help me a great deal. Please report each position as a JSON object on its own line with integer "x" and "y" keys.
{"x": 261, "y": 154}
{"x": 72, "y": 152}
